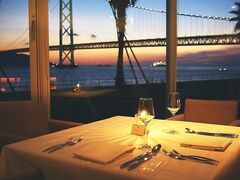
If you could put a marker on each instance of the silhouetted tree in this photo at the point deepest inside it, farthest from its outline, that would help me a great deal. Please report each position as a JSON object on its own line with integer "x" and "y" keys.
{"x": 119, "y": 8}
{"x": 236, "y": 12}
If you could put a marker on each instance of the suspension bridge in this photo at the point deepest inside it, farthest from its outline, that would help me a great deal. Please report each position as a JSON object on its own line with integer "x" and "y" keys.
{"x": 194, "y": 29}
{"x": 226, "y": 39}
{"x": 145, "y": 27}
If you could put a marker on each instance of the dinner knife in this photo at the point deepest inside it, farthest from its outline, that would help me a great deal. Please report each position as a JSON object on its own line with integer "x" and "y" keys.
{"x": 228, "y": 135}
{"x": 137, "y": 158}
{"x": 139, "y": 162}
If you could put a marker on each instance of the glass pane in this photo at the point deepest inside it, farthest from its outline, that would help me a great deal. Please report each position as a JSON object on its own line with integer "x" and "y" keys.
{"x": 93, "y": 31}
{"x": 206, "y": 51}
{"x": 14, "y": 51}
{"x": 207, "y": 25}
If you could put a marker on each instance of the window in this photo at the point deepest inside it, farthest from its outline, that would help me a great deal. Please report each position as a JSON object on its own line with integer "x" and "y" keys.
{"x": 14, "y": 51}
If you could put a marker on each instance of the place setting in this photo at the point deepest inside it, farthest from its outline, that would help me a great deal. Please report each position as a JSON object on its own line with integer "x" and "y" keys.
{"x": 108, "y": 152}
{"x": 146, "y": 114}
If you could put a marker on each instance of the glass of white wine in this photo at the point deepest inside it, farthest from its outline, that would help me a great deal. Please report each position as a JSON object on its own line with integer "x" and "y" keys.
{"x": 174, "y": 103}
{"x": 145, "y": 114}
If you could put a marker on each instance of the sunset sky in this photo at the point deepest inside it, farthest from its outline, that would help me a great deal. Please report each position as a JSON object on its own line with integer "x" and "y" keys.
{"x": 94, "y": 17}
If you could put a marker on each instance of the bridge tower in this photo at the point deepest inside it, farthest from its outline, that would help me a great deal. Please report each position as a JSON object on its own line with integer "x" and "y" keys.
{"x": 66, "y": 53}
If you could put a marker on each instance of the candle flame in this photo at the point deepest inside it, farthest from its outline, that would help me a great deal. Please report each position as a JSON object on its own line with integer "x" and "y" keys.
{"x": 143, "y": 113}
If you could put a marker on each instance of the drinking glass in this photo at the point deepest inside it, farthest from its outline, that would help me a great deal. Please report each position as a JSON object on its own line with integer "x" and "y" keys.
{"x": 173, "y": 104}
{"x": 145, "y": 114}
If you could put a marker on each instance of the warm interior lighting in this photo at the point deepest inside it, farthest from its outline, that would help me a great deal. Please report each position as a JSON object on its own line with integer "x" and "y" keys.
{"x": 77, "y": 88}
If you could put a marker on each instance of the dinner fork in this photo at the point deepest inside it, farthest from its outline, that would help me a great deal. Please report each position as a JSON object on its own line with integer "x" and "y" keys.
{"x": 195, "y": 157}
{"x": 58, "y": 145}
{"x": 168, "y": 153}
{"x": 179, "y": 157}
{"x": 71, "y": 141}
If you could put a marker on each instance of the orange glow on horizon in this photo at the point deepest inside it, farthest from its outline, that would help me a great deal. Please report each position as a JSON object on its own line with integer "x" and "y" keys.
{"x": 148, "y": 55}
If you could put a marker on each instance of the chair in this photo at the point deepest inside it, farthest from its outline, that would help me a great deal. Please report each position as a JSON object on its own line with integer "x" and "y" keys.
{"x": 210, "y": 111}
{"x": 21, "y": 121}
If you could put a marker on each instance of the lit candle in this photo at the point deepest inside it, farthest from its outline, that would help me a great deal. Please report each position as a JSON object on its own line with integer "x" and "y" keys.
{"x": 145, "y": 116}
{"x": 77, "y": 88}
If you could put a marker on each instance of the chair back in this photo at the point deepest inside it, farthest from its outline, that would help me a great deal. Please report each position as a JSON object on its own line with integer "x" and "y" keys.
{"x": 210, "y": 111}
{"x": 24, "y": 118}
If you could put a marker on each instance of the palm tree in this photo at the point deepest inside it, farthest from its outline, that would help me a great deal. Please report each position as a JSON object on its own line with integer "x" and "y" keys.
{"x": 237, "y": 18}
{"x": 119, "y": 8}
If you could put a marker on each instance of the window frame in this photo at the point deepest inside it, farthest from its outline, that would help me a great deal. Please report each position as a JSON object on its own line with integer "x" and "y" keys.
{"x": 39, "y": 54}
{"x": 39, "y": 51}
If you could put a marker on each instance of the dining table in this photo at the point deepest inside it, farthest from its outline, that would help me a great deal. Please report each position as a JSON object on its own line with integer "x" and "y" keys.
{"x": 116, "y": 132}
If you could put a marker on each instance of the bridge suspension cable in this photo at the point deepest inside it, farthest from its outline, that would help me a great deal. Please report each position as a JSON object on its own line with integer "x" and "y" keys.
{"x": 23, "y": 38}
{"x": 184, "y": 14}
{"x": 188, "y": 24}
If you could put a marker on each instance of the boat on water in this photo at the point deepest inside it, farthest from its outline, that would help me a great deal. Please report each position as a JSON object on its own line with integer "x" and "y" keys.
{"x": 104, "y": 65}
{"x": 158, "y": 64}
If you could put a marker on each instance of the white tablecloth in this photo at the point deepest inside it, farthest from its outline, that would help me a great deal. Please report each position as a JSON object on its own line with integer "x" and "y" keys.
{"x": 62, "y": 165}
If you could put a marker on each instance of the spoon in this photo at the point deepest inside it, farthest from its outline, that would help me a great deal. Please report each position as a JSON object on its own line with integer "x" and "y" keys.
{"x": 149, "y": 155}
{"x": 156, "y": 149}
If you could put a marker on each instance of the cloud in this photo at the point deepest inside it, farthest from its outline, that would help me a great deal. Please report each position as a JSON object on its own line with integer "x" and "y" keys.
{"x": 224, "y": 56}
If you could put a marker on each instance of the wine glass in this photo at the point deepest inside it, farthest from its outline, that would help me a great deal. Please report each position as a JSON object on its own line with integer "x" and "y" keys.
{"x": 145, "y": 114}
{"x": 174, "y": 103}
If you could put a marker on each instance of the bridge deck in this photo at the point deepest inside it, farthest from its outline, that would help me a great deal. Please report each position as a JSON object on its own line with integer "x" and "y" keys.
{"x": 226, "y": 39}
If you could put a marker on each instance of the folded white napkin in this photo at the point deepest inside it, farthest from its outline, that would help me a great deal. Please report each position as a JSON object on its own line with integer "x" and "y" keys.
{"x": 103, "y": 153}
{"x": 207, "y": 143}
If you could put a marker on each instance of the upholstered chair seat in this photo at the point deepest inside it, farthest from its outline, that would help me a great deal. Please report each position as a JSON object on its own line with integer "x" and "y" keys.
{"x": 210, "y": 111}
